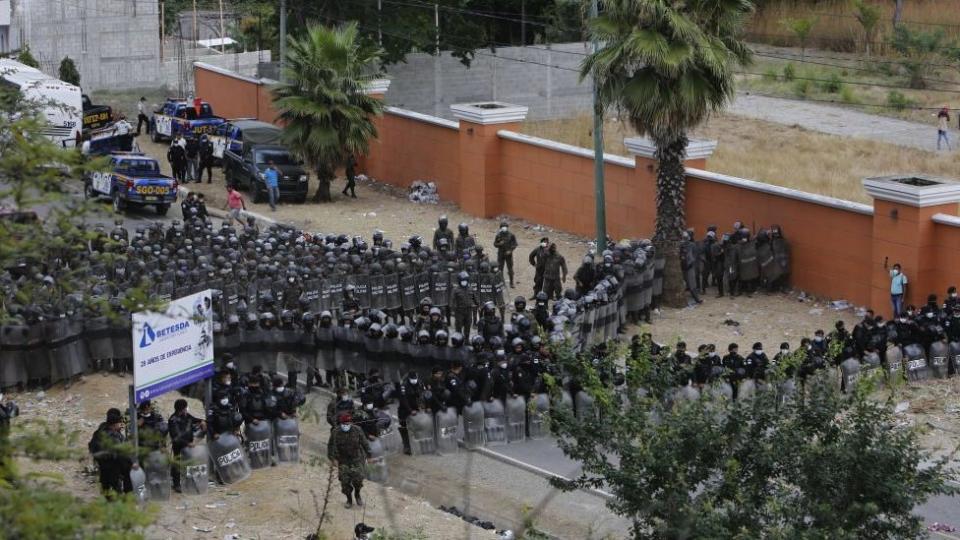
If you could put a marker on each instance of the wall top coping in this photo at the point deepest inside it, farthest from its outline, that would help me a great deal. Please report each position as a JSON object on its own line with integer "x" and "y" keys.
{"x": 946, "y": 219}
{"x": 565, "y": 148}
{"x": 413, "y": 115}
{"x": 644, "y": 147}
{"x": 780, "y": 191}
{"x": 489, "y": 112}
{"x": 376, "y": 86}
{"x": 230, "y": 73}
{"x": 937, "y": 191}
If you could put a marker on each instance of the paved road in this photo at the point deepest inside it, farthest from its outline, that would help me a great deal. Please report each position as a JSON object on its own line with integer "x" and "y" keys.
{"x": 839, "y": 121}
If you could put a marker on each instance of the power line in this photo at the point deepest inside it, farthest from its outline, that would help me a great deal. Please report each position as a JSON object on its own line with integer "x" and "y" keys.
{"x": 854, "y": 83}
{"x": 853, "y": 68}
{"x": 902, "y": 21}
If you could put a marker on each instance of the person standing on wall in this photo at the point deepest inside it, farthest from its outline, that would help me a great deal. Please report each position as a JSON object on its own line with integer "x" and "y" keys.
{"x": 898, "y": 289}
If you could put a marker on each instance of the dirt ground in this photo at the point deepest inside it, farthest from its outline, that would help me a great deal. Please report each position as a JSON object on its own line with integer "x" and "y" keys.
{"x": 275, "y": 503}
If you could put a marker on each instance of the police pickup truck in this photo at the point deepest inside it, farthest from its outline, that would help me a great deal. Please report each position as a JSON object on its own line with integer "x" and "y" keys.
{"x": 133, "y": 180}
{"x": 247, "y": 168}
{"x": 181, "y": 117}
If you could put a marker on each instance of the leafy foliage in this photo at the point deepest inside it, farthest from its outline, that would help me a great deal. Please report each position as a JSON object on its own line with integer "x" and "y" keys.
{"x": 868, "y": 15}
{"x": 801, "y": 28}
{"x": 817, "y": 465}
{"x": 919, "y": 48}
{"x": 68, "y": 71}
{"x": 327, "y": 115}
{"x": 26, "y": 58}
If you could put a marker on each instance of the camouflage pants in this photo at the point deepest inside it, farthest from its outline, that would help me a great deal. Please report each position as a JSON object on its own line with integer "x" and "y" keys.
{"x": 350, "y": 476}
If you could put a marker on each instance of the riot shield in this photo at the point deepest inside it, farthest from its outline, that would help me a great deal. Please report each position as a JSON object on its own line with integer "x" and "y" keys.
{"x": 378, "y": 299}
{"x": 916, "y": 362}
{"x": 194, "y": 461}
{"x": 361, "y": 289}
{"x": 584, "y": 403}
{"x": 537, "y": 415}
{"x": 229, "y": 460}
{"x": 516, "y": 412}
{"x": 787, "y": 390}
{"x": 391, "y": 289}
{"x": 746, "y": 389}
{"x": 326, "y": 356}
{"x": 939, "y": 354}
{"x": 440, "y": 289}
{"x": 447, "y": 430}
{"x": 336, "y": 291}
{"x": 871, "y": 360}
{"x": 377, "y": 464}
{"x": 156, "y": 467}
{"x": 287, "y": 431}
{"x": 494, "y": 422}
{"x": 485, "y": 285}
{"x": 473, "y": 425}
{"x": 392, "y": 442}
{"x": 422, "y": 439}
{"x": 687, "y": 393}
{"x": 311, "y": 295}
{"x": 894, "y": 359}
{"x": 721, "y": 389}
{"x": 259, "y": 438}
{"x": 230, "y": 298}
{"x": 954, "y": 351}
{"x": 138, "y": 480}
{"x": 326, "y": 295}
{"x": 165, "y": 292}
{"x": 770, "y": 269}
{"x": 408, "y": 293}
{"x": 658, "y": 265}
{"x": 749, "y": 268}
{"x": 423, "y": 286}
{"x": 850, "y": 373}
{"x": 38, "y": 365}
{"x": 13, "y": 367}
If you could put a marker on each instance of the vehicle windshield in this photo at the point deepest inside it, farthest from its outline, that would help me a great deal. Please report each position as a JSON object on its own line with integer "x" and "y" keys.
{"x": 137, "y": 166}
{"x": 278, "y": 157}
{"x": 190, "y": 113}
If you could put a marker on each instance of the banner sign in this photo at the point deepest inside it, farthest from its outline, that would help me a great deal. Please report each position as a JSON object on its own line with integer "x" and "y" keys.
{"x": 173, "y": 349}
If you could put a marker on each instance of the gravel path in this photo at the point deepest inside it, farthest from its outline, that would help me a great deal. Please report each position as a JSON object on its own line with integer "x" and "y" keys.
{"x": 839, "y": 121}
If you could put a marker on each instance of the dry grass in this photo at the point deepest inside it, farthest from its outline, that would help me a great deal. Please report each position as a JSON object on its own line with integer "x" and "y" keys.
{"x": 782, "y": 155}
{"x": 836, "y": 28}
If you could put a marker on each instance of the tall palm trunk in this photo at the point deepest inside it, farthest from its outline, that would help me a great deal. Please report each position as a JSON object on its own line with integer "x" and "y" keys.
{"x": 325, "y": 175}
{"x": 671, "y": 213}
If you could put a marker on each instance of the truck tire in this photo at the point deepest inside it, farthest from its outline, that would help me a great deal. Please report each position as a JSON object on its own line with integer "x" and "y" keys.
{"x": 119, "y": 205}
{"x": 162, "y": 209}
{"x": 258, "y": 196}
{"x": 227, "y": 177}
{"x": 302, "y": 199}
{"x": 154, "y": 136}
{"x": 88, "y": 192}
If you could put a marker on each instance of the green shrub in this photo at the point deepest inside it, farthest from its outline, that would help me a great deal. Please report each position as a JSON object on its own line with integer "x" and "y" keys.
{"x": 801, "y": 88}
{"x": 789, "y": 72}
{"x": 847, "y": 96}
{"x": 832, "y": 84}
{"x": 770, "y": 75}
{"x": 898, "y": 101}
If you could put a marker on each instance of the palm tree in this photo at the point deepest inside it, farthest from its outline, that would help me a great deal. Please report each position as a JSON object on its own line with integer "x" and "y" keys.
{"x": 327, "y": 115}
{"x": 666, "y": 66}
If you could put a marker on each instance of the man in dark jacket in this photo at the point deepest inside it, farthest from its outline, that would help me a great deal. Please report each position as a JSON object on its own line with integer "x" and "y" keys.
{"x": 183, "y": 428}
{"x": 348, "y": 449}
{"x": 206, "y": 159}
{"x": 505, "y": 242}
{"x": 112, "y": 459}
{"x": 537, "y": 258}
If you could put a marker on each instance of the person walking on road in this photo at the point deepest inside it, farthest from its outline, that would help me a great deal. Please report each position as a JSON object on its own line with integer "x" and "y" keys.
{"x": 348, "y": 451}
{"x": 351, "y": 177}
{"x": 272, "y": 178}
{"x": 142, "y": 115}
{"x": 943, "y": 125}
{"x": 235, "y": 204}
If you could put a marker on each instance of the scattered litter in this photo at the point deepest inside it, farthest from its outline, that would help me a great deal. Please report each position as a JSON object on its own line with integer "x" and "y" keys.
{"x": 816, "y": 311}
{"x": 506, "y": 535}
{"x": 802, "y": 297}
{"x": 181, "y": 507}
{"x": 230, "y": 525}
{"x": 361, "y": 178}
{"x": 41, "y": 394}
{"x": 861, "y": 311}
{"x": 231, "y": 536}
{"x": 215, "y": 505}
{"x": 204, "y": 529}
{"x": 423, "y": 192}
{"x": 941, "y": 527}
{"x": 901, "y": 407}
{"x": 253, "y": 503}
{"x": 233, "y": 494}
{"x": 731, "y": 322}
{"x": 840, "y": 305}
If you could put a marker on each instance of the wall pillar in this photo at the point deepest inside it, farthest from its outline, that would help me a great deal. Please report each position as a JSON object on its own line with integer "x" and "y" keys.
{"x": 371, "y": 163}
{"x": 479, "y": 149}
{"x": 903, "y": 232}
{"x": 645, "y": 171}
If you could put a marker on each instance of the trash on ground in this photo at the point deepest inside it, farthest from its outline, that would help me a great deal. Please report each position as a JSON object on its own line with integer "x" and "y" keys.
{"x": 423, "y": 192}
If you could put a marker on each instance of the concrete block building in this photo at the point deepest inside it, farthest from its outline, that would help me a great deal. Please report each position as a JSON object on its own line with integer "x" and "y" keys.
{"x": 115, "y": 43}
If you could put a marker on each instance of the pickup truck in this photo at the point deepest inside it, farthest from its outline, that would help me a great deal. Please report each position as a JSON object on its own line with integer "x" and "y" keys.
{"x": 179, "y": 117}
{"x": 95, "y": 116}
{"x": 134, "y": 179}
{"x": 246, "y": 170}
{"x": 231, "y": 135}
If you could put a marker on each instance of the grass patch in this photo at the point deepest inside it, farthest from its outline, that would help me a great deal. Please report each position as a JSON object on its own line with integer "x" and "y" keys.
{"x": 781, "y": 155}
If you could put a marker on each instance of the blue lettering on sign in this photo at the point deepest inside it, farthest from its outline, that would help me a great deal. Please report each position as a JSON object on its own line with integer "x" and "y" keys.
{"x": 149, "y": 335}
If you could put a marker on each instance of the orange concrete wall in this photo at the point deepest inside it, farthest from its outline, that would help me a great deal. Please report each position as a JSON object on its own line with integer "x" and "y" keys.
{"x": 431, "y": 155}
{"x": 234, "y": 97}
{"x": 946, "y": 254}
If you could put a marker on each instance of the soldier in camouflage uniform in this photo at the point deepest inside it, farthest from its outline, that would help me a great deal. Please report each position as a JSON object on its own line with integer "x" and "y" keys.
{"x": 348, "y": 450}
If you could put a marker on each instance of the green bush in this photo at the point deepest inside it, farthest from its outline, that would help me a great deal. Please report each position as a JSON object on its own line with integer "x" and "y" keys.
{"x": 789, "y": 72}
{"x": 801, "y": 88}
{"x": 847, "y": 96}
{"x": 770, "y": 75}
{"x": 26, "y": 58}
{"x": 833, "y": 84}
{"x": 68, "y": 71}
{"x": 898, "y": 101}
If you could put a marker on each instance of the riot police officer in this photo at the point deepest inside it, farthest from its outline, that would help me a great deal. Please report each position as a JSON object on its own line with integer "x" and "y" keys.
{"x": 506, "y": 243}
{"x": 183, "y": 428}
{"x": 463, "y": 304}
{"x": 410, "y": 402}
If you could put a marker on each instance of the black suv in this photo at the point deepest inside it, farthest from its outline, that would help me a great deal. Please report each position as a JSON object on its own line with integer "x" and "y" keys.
{"x": 246, "y": 171}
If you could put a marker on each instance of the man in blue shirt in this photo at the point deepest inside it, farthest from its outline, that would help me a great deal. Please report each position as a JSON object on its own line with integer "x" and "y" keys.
{"x": 272, "y": 178}
{"x": 898, "y": 288}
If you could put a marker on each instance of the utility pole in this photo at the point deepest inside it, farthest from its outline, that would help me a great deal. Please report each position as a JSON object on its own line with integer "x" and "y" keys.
{"x": 379, "y": 23}
{"x": 162, "y": 28}
{"x": 436, "y": 24}
{"x": 598, "y": 153}
{"x": 195, "y": 36}
{"x": 223, "y": 38}
{"x": 523, "y": 22}
{"x": 283, "y": 38}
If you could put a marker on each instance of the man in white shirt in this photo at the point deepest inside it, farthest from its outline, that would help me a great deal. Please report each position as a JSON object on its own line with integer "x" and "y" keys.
{"x": 142, "y": 115}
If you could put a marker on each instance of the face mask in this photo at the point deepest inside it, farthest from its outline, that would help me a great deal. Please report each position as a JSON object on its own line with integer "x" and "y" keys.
{"x": 818, "y": 339}
{"x": 543, "y": 244}
{"x": 909, "y": 314}
{"x": 279, "y": 389}
{"x": 896, "y": 272}
{"x": 503, "y": 365}
{"x": 227, "y": 382}
{"x": 536, "y": 361}
{"x": 758, "y": 351}
{"x": 224, "y": 402}
{"x": 414, "y": 381}
{"x": 345, "y": 427}
{"x": 785, "y": 351}
{"x": 369, "y": 406}
{"x": 930, "y": 315}
{"x": 463, "y": 283}
{"x": 503, "y": 229}
{"x": 291, "y": 280}
{"x": 953, "y": 295}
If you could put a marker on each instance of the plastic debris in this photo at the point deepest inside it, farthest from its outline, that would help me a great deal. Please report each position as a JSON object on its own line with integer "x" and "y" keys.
{"x": 204, "y": 529}
{"x": 901, "y": 407}
{"x": 941, "y": 527}
{"x": 423, "y": 192}
{"x": 840, "y": 305}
